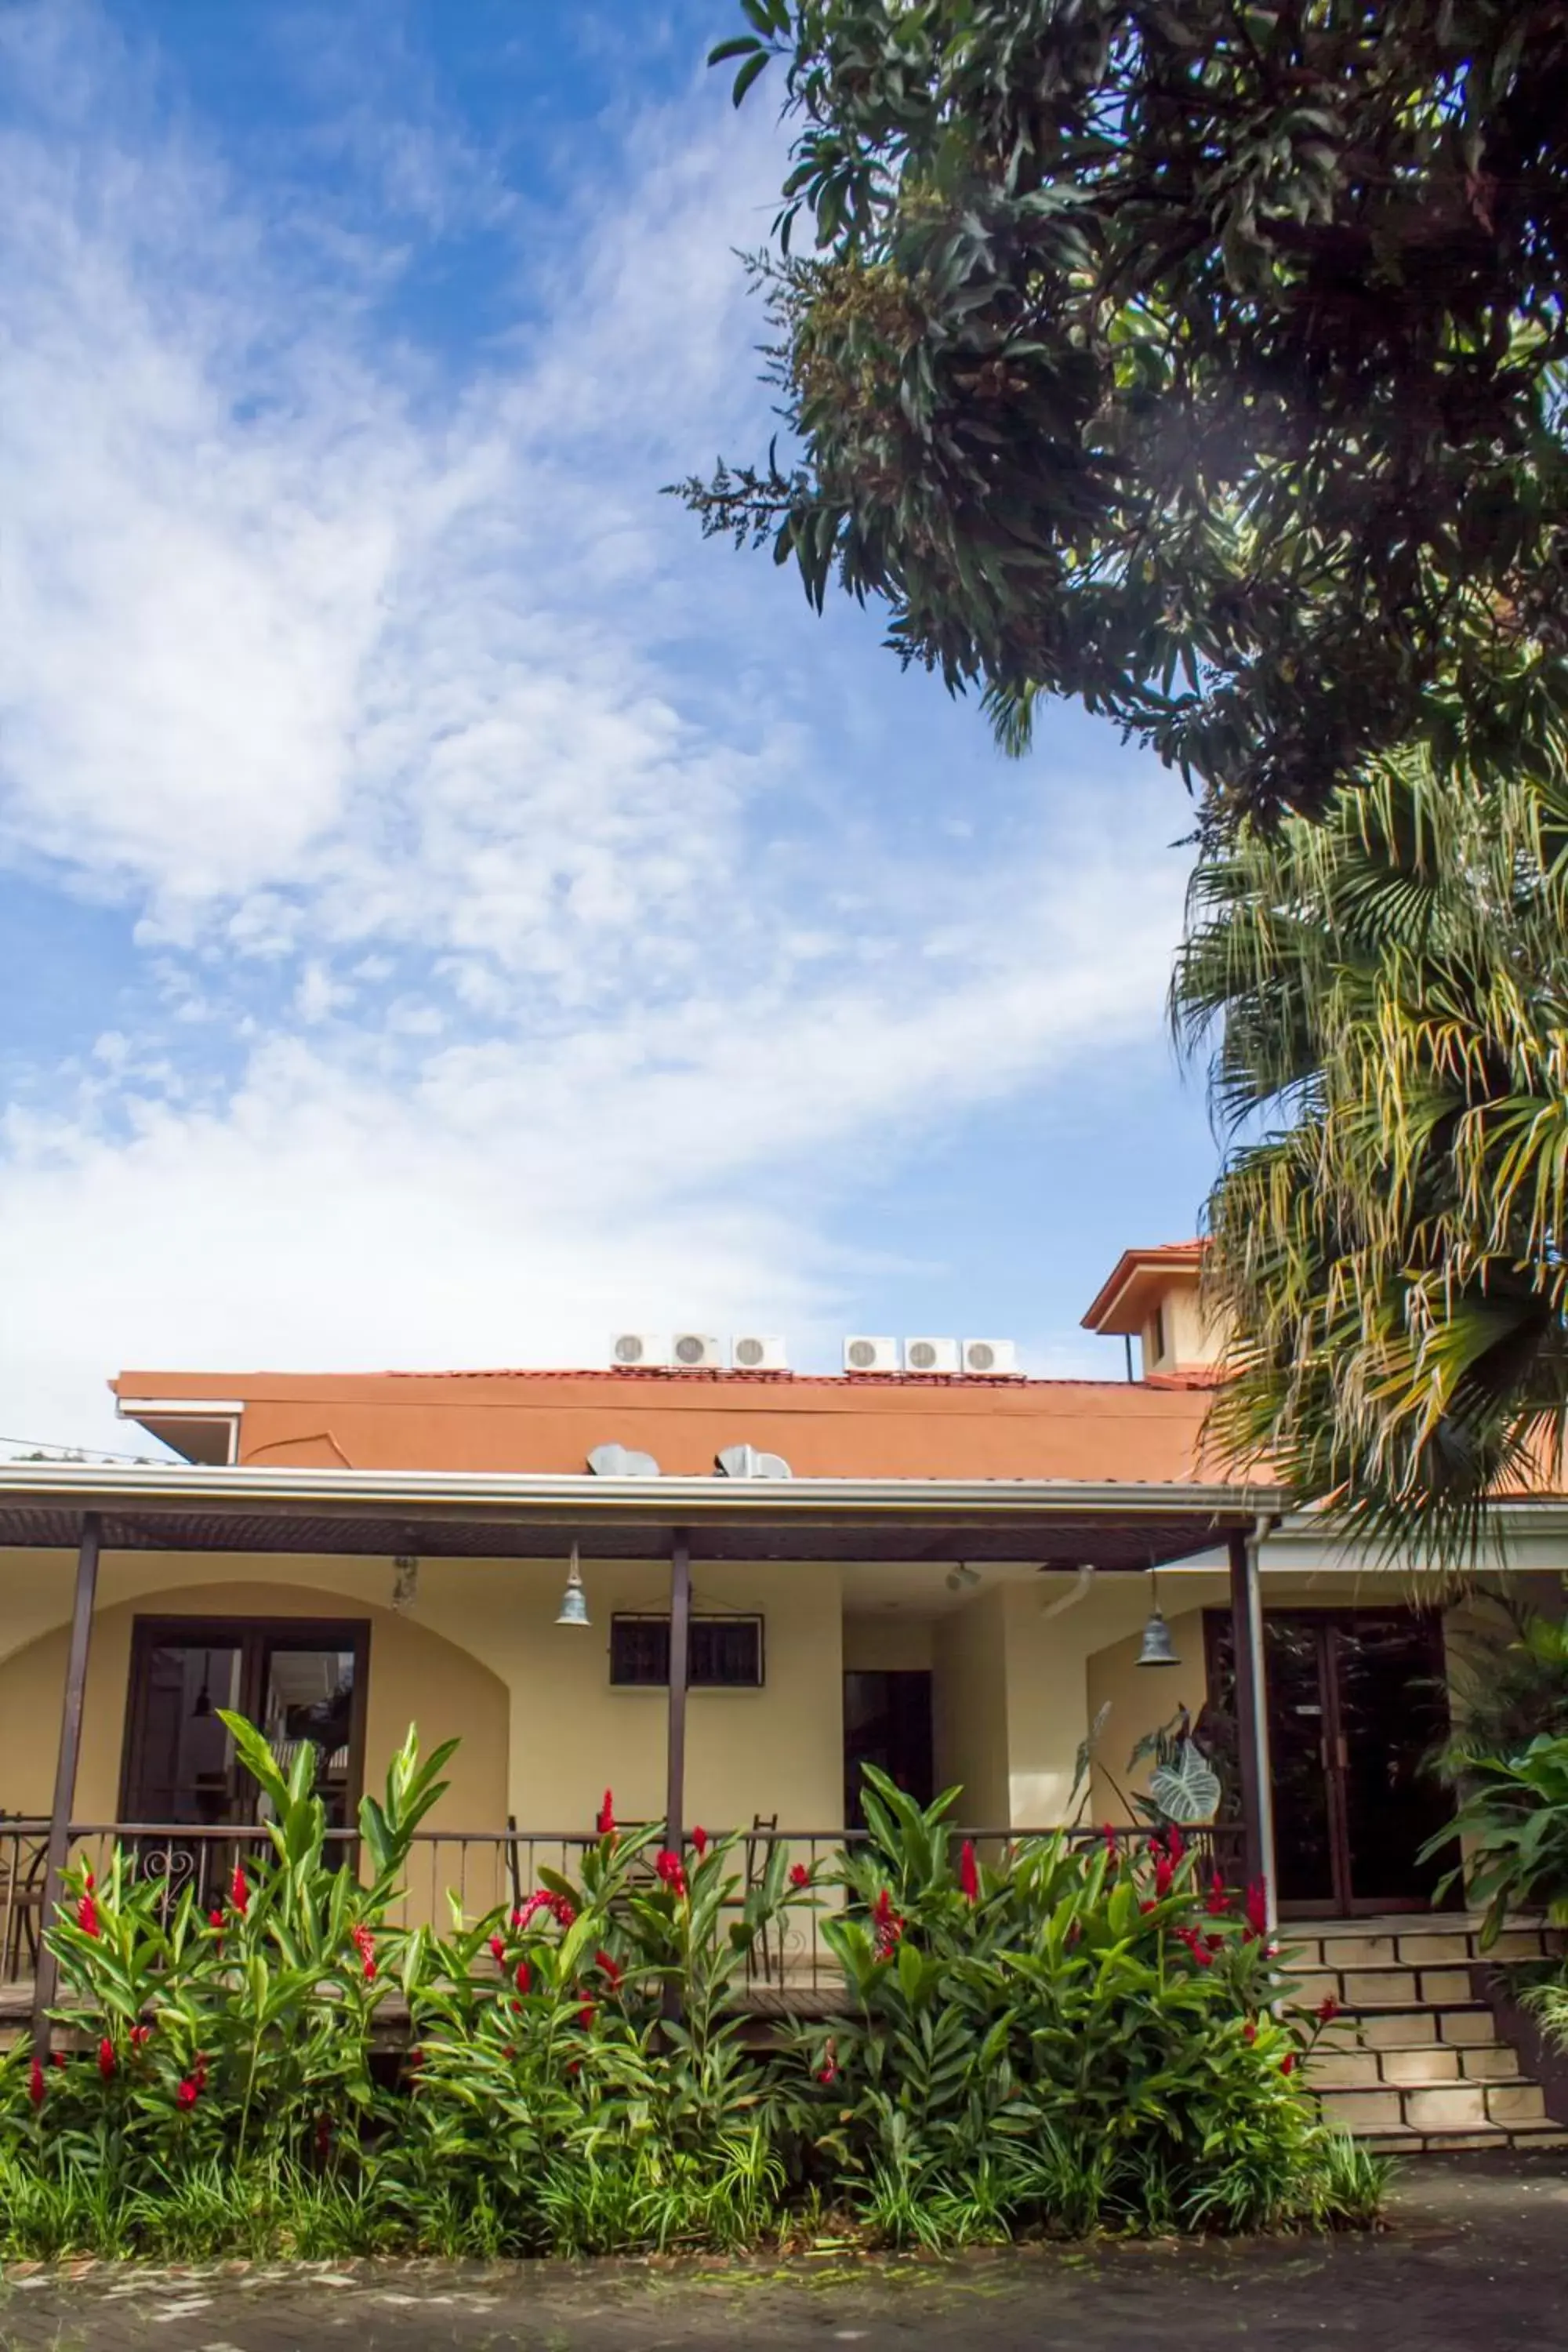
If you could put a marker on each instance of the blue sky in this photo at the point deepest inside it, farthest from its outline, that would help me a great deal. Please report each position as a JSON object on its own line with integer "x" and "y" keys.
{"x": 448, "y": 912}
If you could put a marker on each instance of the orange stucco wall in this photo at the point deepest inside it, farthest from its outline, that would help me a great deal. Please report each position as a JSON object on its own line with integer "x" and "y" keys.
{"x": 868, "y": 1427}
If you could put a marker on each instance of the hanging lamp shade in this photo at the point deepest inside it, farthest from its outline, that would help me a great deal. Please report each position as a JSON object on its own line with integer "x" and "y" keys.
{"x": 1158, "y": 1649}
{"x": 574, "y": 1609}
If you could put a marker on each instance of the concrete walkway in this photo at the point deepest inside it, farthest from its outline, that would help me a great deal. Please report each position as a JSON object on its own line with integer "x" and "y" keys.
{"x": 1475, "y": 2260}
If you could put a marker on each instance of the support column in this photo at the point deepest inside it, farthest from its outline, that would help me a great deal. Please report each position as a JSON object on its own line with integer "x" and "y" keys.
{"x": 1252, "y": 1714}
{"x": 680, "y": 1643}
{"x": 64, "y": 1772}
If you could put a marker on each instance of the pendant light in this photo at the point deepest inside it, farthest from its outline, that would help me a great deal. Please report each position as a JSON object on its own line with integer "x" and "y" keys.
{"x": 202, "y": 1703}
{"x": 1158, "y": 1649}
{"x": 574, "y": 1610}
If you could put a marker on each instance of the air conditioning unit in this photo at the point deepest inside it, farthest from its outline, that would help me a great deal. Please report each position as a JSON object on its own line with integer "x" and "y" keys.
{"x": 931, "y": 1355}
{"x": 697, "y": 1351}
{"x": 621, "y": 1462}
{"x": 995, "y": 1357}
{"x": 870, "y": 1355}
{"x": 640, "y": 1347}
{"x": 755, "y": 1351}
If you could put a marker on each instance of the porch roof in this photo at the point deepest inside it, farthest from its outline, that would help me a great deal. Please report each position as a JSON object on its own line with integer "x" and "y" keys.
{"x": 1052, "y": 1523}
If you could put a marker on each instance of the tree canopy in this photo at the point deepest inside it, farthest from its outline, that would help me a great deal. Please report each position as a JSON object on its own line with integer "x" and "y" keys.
{"x": 1203, "y": 359}
{"x": 1389, "y": 987}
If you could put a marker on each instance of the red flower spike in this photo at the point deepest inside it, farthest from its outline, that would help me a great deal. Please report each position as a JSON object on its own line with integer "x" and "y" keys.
{"x": 35, "y": 2083}
{"x": 604, "y": 1820}
{"x": 363, "y": 1943}
{"x": 887, "y": 1925}
{"x": 1328, "y": 2010}
{"x": 524, "y": 1976}
{"x": 1249, "y": 2031}
{"x": 608, "y": 1968}
{"x": 799, "y": 1875}
{"x": 586, "y": 2016}
{"x": 105, "y": 2058}
{"x": 1287, "y": 2064}
{"x": 699, "y": 1840}
{"x": 239, "y": 1890}
{"x": 827, "y": 2074}
{"x": 497, "y": 1949}
{"x": 87, "y": 1914}
{"x": 1176, "y": 1844}
{"x": 139, "y": 2035}
{"x": 671, "y": 1872}
{"x": 89, "y": 1880}
{"x": 969, "y": 1873}
{"x": 1258, "y": 1907}
{"x": 58, "y": 2058}
{"x": 188, "y": 2094}
{"x": 1165, "y": 1879}
{"x": 1218, "y": 1902}
{"x": 214, "y": 1920}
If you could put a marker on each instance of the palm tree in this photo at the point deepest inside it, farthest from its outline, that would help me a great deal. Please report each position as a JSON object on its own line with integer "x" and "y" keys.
{"x": 1385, "y": 997}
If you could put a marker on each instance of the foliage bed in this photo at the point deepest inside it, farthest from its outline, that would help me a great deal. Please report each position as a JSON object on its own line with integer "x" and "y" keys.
{"x": 1069, "y": 2040}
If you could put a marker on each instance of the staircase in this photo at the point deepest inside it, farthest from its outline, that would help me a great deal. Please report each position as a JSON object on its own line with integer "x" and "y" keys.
{"x": 1414, "y": 2061}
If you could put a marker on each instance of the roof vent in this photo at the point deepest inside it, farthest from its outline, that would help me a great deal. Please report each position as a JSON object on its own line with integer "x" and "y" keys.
{"x": 931, "y": 1355}
{"x": 755, "y": 1351}
{"x": 862, "y": 1355}
{"x": 620, "y": 1461}
{"x": 639, "y": 1347}
{"x": 996, "y": 1357}
{"x": 745, "y": 1461}
{"x": 696, "y": 1351}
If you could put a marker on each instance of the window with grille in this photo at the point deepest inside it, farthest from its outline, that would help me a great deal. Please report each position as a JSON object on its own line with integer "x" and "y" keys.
{"x": 722, "y": 1652}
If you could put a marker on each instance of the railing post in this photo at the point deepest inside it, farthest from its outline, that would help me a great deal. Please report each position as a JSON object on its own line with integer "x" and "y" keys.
{"x": 1252, "y": 1714}
{"x": 47, "y": 1981}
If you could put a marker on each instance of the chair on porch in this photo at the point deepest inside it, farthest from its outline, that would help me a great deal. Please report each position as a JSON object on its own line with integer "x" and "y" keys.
{"x": 24, "y": 1858}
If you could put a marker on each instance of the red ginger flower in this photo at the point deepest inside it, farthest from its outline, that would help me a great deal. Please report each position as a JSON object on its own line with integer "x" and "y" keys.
{"x": 609, "y": 1969}
{"x": 585, "y": 2015}
{"x": 1176, "y": 1844}
{"x": 605, "y": 1821}
{"x": 497, "y": 1949}
{"x": 239, "y": 1890}
{"x": 969, "y": 1873}
{"x": 87, "y": 1914}
{"x": 1257, "y": 1910}
{"x": 35, "y": 2083}
{"x": 1108, "y": 1831}
{"x": 1218, "y": 1902}
{"x": 1249, "y": 2031}
{"x": 699, "y": 1840}
{"x": 139, "y": 2035}
{"x": 524, "y": 1977}
{"x": 669, "y": 1868}
{"x": 363, "y": 1943}
{"x": 560, "y": 1911}
{"x": 105, "y": 2058}
{"x": 828, "y": 2070}
{"x": 799, "y": 1875}
{"x": 1164, "y": 1877}
{"x": 1328, "y": 2010}
{"x": 886, "y": 1925}
{"x": 1287, "y": 2064}
{"x": 188, "y": 2092}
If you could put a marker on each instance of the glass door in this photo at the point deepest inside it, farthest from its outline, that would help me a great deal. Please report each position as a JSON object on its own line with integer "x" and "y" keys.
{"x": 301, "y": 1682}
{"x": 1356, "y": 1703}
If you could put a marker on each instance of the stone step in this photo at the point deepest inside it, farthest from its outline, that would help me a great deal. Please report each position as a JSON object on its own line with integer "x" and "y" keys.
{"x": 1419, "y": 1944}
{"x": 1409, "y": 2141}
{"x": 1384, "y": 1987}
{"x": 1413, "y": 2066}
{"x": 1436, "y": 2108}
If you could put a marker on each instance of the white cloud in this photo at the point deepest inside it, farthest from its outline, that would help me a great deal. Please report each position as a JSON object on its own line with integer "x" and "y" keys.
{"x": 572, "y": 950}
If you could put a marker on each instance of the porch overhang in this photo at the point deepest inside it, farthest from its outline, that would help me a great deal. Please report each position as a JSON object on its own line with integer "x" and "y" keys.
{"x": 1047, "y": 1523}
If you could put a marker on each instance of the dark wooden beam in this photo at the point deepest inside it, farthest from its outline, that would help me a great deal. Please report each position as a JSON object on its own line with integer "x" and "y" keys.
{"x": 680, "y": 1645}
{"x": 44, "y": 1987}
{"x": 1252, "y": 1714}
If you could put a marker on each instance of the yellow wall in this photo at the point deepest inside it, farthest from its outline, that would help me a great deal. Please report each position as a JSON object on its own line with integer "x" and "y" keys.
{"x": 1139, "y": 1699}
{"x": 969, "y": 1707}
{"x": 890, "y": 1643}
{"x": 479, "y": 1653}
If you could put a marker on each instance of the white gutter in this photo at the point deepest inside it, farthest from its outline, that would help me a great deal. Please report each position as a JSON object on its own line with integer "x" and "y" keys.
{"x": 218, "y": 1488}
{"x": 1070, "y": 1599}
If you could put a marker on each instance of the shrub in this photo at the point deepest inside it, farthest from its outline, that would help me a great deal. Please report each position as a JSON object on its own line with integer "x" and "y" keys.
{"x": 1056, "y": 2038}
{"x": 1515, "y": 1820}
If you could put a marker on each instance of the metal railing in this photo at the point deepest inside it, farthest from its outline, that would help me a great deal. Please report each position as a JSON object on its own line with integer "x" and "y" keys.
{"x": 468, "y": 1874}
